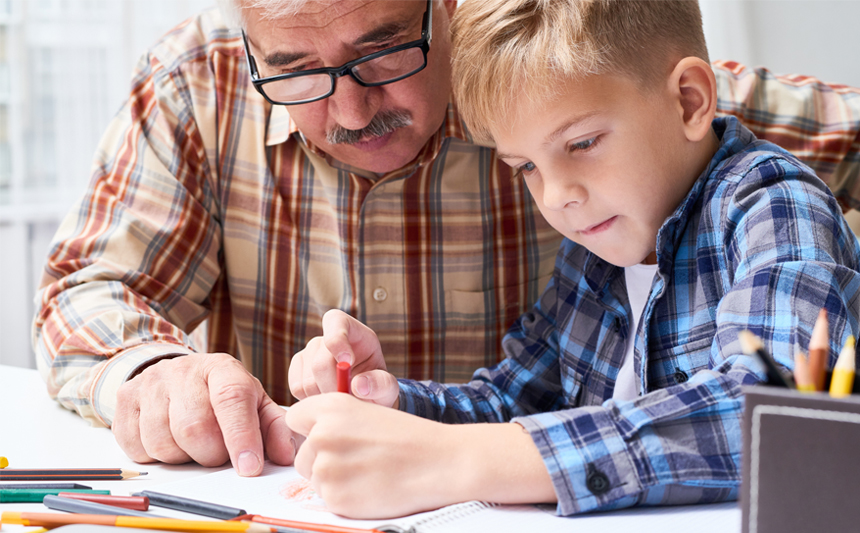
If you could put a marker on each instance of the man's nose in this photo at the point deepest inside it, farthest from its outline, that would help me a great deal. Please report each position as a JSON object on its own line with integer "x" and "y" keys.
{"x": 353, "y": 106}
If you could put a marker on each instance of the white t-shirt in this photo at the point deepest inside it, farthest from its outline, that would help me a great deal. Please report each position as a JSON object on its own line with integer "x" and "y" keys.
{"x": 639, "y": 279}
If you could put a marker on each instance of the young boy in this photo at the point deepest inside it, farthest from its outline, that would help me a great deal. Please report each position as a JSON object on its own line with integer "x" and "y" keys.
{"x": 624, "y": 382}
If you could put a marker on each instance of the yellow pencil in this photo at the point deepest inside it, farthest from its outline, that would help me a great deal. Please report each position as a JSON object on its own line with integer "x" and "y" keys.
{"x": 843, "y": 373}
{"x": 802, "y": 377}
{"x": 4, "y": 462}
{"x": 52, "y": 520}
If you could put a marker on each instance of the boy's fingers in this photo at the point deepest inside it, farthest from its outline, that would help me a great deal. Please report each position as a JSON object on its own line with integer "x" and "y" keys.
{"x": 377, "y": 386}
{"x": 302, "y": 416}
{"x": 339, "y": 335}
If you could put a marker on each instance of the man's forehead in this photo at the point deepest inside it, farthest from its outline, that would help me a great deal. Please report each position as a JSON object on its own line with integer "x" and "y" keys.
{"x": 318, "y": 14}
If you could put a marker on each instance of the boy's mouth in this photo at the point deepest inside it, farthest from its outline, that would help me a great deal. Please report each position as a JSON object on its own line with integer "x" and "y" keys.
{"x": 599, "y": 227}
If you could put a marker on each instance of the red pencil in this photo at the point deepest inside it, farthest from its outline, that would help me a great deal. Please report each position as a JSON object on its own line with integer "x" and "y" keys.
{"x": 343, "y": 369}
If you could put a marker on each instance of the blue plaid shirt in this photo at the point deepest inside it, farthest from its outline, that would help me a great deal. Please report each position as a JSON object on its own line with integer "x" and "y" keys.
{"x": 759, "y": 243}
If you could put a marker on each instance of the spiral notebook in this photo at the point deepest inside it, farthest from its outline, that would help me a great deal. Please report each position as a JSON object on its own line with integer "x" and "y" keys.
{"x": 280, "y": 492}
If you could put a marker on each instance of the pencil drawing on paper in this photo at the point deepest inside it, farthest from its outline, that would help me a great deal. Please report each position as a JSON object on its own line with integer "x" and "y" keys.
{"x": 301, "y": 492}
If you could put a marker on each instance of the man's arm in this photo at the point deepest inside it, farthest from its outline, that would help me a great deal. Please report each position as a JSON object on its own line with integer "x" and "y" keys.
{"x": 129, "y": 274}
{"x": 818, "y": 122}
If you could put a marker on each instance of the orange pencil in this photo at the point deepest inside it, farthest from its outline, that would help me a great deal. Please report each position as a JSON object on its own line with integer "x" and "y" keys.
{"x": 305, "y": 526}
{"x": 819, "y": 350}
{"x": 802, "y": 377}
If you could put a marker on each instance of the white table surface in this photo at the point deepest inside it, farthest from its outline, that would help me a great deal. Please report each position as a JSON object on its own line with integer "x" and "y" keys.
{"x": 36, "y": 432}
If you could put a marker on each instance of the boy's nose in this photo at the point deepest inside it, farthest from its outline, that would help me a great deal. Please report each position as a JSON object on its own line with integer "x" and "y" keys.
{"x": 353, "y": 106}
{"x": 559, "y": 193}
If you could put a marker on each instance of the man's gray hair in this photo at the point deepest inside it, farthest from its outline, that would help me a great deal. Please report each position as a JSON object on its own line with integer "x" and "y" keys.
{"x": 234, "y": 16}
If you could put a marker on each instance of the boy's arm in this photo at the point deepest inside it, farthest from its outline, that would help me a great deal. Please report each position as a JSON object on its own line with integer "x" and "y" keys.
{"x": 818, "y": 122}
{"x": 788, "y": 253}
{"x": 368, "y": 461}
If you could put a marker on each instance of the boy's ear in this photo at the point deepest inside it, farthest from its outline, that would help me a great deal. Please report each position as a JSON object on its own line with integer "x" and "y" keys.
{"x": 693, "y": 83}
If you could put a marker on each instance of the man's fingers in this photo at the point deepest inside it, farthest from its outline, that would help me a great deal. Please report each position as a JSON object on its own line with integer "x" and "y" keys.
{"x": 155, "y": 432}
{"x": 235, "y": 396}
{"x": 281, "y": 446}
{"x": 376, "y": 386}
{"x": 195, "y": 429}
{"x": 126, "y": 424}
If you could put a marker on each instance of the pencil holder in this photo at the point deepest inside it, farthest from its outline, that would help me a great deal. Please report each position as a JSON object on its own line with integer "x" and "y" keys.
{"x": 801, "y": 461}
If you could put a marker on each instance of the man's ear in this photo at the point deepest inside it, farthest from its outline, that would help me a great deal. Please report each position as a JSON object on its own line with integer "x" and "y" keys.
{"x": 693, "y": 84}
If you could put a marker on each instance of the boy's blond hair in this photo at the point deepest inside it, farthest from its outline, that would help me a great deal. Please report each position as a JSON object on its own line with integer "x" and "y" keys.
{"x": 507, "y": 48}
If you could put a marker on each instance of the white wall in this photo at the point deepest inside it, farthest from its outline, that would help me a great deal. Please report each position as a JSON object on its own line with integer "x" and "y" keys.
{"x": 818, "y": 38}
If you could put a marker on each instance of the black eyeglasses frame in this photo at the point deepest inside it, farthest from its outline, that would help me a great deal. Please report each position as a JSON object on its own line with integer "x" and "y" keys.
{"x": 346, "y": 69}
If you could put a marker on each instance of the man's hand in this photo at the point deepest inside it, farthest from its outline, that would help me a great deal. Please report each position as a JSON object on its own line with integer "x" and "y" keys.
{"x": 314, "y": 369}
{"x": 201, "y": 407}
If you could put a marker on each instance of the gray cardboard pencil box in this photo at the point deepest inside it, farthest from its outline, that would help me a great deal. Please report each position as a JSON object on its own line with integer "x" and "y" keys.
{"x": 801, "y": 461}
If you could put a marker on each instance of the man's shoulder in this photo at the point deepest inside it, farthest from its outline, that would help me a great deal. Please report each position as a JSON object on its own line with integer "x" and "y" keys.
{"x": 202, "y": 38}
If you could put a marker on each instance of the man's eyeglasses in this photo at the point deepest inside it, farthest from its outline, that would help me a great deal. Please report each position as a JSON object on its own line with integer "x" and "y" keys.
{"x": 379, "y": 68}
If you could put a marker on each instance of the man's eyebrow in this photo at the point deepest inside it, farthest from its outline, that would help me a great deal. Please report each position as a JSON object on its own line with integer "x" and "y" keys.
{"x": 383, "y": 32}
{"x": 282, "y": 59}
{"x": 378, "y": 34}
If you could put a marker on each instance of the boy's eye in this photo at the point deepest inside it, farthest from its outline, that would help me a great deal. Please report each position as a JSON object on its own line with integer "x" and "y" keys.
{"x": 583, "y": 145}
{"x": 525, "y": 169}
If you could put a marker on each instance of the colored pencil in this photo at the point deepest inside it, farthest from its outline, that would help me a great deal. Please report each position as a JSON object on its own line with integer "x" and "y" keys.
{"x": 69, "y": 505}
{"x": 842, "y": 380}
{"x": 751, "y": 344}
{"x": 343, "y": 371}
{"x": 52, "y": 520}
{"x": 188, "y": 505}
{"x": 295, "y": 525}
{"x": 819, "y": 350}
{"x": 66, "y": 486}
{"x": 66, "y": 474}
{"x": 802, "y": 377}
{"x": 136, "y": 503}
{"x": 34, "y": 495}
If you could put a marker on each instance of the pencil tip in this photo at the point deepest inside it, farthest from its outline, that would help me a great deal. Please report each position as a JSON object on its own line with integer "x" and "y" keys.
{"x": 750, "y": 343}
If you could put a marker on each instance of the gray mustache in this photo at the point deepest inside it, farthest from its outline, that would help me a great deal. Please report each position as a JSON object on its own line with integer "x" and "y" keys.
{"x": 381, "y": 124}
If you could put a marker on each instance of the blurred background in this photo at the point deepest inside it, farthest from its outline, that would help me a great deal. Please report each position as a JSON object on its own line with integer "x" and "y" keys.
{"x": 65, "y": 67}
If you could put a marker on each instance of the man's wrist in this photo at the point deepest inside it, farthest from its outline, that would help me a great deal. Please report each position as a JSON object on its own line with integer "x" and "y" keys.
{"x": 157, "y": 359}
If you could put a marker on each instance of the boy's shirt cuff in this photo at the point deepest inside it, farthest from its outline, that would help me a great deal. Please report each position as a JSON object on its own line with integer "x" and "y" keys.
{"x": 587, "y": 459}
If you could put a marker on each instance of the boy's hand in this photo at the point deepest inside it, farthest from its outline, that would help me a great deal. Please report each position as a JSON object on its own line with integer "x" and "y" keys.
{"x": 314, "y": 369}
{"x": 369, "y": 462}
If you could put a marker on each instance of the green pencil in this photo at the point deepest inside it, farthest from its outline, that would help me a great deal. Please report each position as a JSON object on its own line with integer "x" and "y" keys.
{"x": 36, "y": 495}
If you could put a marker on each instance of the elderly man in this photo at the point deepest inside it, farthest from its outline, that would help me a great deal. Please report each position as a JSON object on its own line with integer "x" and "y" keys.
{"x": 257, "y": 178}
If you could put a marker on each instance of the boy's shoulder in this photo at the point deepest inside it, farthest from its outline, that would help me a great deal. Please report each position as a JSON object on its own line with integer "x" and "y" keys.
{"x": 746, "y": 168}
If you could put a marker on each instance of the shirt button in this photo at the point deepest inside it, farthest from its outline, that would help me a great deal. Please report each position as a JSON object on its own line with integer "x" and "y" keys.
{"x": 680, "y": 376}
{"x": 597, "y": 482}
{"x": 380, "y": 294}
